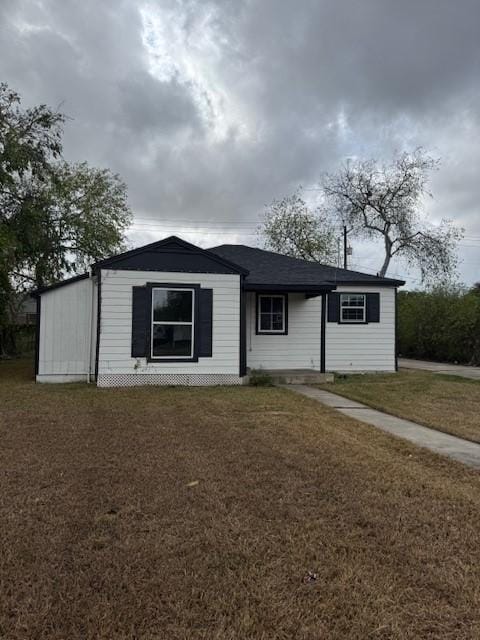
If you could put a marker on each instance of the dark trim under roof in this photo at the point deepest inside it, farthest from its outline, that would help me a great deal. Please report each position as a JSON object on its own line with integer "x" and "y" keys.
{"x": 270, "y": 270}
{"x": 288, "y": 288}
{"x": 57, "y": 285}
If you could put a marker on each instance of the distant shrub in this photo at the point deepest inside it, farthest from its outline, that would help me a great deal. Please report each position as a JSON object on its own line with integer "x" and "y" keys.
{"x": 442, "y": 325}
{"x": 17, "y": 340}
{"x": 260, "y": 378}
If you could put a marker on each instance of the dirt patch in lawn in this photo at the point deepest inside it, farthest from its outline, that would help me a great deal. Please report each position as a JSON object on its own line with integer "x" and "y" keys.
{"x": 447, "y": 403}
{"x": 199, "y": 513}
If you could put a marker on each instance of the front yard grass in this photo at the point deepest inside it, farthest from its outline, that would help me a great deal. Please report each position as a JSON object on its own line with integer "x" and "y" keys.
{"x": 197, "y": 513}
{"x": 446, "y": 403}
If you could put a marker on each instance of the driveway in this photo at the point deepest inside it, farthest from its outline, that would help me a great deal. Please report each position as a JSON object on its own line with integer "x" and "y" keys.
{"x": 441, "y": 367}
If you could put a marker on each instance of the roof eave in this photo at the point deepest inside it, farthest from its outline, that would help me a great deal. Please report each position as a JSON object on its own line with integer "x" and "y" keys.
{"x": 286, "y": 288}
{"x": 57, "y": 285}
{"x": 381, "y": 282}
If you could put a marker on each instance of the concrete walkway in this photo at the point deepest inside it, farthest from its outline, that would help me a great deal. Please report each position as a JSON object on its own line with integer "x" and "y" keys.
{"x": 441, "y": 367}
{"x": 442, "y": 443}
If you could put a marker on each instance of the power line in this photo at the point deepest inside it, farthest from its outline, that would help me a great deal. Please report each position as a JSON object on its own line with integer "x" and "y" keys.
{"x": 375, "y": 271}
{"x": 175, "y": 221}
{"x": 226, "y": 223}
{"x": 181, "y": 229}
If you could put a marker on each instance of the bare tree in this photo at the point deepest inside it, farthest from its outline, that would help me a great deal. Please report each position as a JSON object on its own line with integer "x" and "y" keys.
{"x": 384, "y": 201}
{"x": 291, "y": 227}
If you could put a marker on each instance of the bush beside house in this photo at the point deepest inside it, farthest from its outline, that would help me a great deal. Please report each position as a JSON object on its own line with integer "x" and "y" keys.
{"x": 17, "y": 335}
{"x": 442, "y": 325}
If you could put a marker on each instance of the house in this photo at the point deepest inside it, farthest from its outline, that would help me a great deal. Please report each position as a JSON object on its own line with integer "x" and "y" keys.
{"x": 171, "y": 313}
{"x": 24, "y": 311}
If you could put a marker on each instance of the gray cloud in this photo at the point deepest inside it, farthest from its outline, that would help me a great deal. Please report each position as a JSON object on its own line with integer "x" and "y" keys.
{"x": 210, "y": 109}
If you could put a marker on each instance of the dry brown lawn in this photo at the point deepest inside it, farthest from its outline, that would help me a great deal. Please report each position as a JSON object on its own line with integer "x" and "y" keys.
{"x": 447, "y": 403}
{"x": 196, "y": 513}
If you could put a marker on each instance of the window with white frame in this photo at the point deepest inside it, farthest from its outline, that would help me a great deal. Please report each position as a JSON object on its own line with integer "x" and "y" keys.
{"x": 172, "y": 323}
{"x": 352, "y": 307}
{"x": 271, "y": 311}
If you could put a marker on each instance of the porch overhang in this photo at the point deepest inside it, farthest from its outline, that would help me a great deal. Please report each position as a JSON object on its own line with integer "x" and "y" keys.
{"x": 310, "y": 290}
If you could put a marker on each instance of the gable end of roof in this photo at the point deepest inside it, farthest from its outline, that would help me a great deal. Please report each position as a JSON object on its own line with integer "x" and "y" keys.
{"x": 171, "y": 254}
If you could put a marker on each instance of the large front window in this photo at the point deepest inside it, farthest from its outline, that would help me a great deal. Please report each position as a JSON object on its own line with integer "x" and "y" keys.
{"x": 352, "y": 307}
{"x": 172, "y": 323}
{"x": 271, "y": 314}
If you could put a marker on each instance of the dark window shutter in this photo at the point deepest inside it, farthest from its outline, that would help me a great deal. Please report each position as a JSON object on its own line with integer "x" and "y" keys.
{"x": 140, "y": 325}
{"x": 373, "y": 307}
{"x": 205, "y": 311}
{"x": 333, "y": 307}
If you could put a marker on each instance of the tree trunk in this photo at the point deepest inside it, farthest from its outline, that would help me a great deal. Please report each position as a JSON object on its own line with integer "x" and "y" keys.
{"x": 388, "y": 256}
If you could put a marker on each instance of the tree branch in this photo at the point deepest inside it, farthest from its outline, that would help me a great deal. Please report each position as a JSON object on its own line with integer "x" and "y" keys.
{"x": 23, "y": 275}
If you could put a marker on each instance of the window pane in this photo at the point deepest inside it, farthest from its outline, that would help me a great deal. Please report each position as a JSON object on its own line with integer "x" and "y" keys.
{"x": 277, "y": 322}
{"x": 172, "y": 340}
{"x": 172, "y": 306}
{"x": 277, "y": 305}
{"x": 265, "y": 305}
{"x": 265, "y": 321}
{"x": 353, "y": 301}
{"x": 352, "y": 314}
{"x": 356, "y": 301}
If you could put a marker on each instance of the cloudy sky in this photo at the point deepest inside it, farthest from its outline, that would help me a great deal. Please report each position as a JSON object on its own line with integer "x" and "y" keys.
{"x": 210, "y": 109}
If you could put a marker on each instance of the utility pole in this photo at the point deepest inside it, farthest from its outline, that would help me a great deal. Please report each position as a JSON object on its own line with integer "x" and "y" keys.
{"x": 347, "y": 251}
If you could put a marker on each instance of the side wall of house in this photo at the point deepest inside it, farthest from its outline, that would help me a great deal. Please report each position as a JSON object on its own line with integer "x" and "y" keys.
{"x": 117, "y": 367}
{"x": 66, "y": 333}
{"x": 300, "y": 349}
{"x": 363, "y": 347}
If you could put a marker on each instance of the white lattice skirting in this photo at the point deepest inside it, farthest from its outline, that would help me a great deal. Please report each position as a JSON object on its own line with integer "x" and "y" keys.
{"x": 169, "y": 379}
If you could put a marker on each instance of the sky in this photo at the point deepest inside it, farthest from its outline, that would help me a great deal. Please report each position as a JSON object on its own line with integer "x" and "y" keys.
{"x": 211, "y": 109}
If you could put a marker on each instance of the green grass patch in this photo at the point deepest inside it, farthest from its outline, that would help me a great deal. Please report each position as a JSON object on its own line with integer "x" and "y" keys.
{"x": 445, "y": 402}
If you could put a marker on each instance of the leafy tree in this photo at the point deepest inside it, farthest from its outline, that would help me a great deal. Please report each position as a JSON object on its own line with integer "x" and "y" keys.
{"x": 292, "y": 228}
{"x": 384, "y": 201}
{"x": 74, "y": 217}
{"x": 55, "y": 217}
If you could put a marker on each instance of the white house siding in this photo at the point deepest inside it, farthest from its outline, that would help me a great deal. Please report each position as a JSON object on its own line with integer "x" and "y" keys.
{"x": 300, "y": 349}
{"x": 363, "y": 347}
{"x": 65, "y": 326}
{"x": 115, "y": 364}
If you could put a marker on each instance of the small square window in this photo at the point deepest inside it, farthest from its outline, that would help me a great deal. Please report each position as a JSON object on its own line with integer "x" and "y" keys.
{"x": 271, "y": 314}
{"x": 352, "y": 307}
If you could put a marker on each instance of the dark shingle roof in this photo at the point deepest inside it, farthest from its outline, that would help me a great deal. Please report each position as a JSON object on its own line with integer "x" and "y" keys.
{"x": 277, "y": 270}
